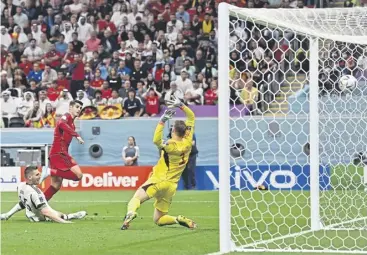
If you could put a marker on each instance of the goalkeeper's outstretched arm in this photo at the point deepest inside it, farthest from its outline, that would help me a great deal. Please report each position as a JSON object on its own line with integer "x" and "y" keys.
{"x": 158, "y": 133}
{"x": 190, "y": 121}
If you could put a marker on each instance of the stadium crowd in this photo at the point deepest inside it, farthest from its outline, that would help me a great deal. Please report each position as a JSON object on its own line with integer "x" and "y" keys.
{"x": 134, "y": 54}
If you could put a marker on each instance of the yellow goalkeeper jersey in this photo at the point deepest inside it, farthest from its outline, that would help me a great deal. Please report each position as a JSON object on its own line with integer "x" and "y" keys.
{"x": 174, "y": 154}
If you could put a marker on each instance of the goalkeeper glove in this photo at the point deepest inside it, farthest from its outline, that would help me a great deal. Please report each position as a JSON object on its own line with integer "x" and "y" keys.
{"x": 174, "y": 102}
{"x": 168, "y": 114}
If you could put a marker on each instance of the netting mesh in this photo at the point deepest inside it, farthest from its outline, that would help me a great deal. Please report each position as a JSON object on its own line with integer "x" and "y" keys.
{"x": 270, "y": 129}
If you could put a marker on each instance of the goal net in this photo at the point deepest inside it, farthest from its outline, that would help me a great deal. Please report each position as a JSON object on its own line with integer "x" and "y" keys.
{"x": 295, "y": 80}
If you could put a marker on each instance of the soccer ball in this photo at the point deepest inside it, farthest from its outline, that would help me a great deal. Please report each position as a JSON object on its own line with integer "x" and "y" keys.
{"x": 347, "y": 82}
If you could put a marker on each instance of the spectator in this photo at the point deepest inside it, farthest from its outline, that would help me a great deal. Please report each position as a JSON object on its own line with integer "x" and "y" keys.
{"x": 106, "y": 90}
{"x": 22, "y": 37}
{"x": 209, "y": 71}
{"x": 152, "y": 98}
{"x": 138, "y": 74}
{"x": 190, "y": 69}
{"x": 182, "y": 15}
{"x": 194, "y": 96}
{"x": 249, "y": 96}
{"x": 53, "y": 92}
{"x": 8, "y": 106}
{"x": 48, "y": 76}
{"x": 132, "y": 105}
{"x": 49, "y": 117}
{"x": 26, "y": 104}
{"x": 83, "y": 97}
{"x": 211, "y": 95}
{"x": 173, "y": 91}
{"x": 77, "y": 44}
{"x": 62, "y": 103}
{"x": 34, "y": 88}
{"x": 98, "y": 100}
{"x": 124, "y": 90}
{"x": 113, "y": 79}
{"x": 20, "y": 18}
{"x": 43, "y": 100}
{"x": 97, "y": 82}
{"x": 141, "y": 89}
{"x": 88, "y": 89}
{"x": 115, "y": 98}
{"x": 77, "y": 77}
{"x": 84, "y": 30}
{"x": 179, "y": 65}
{"x": 183, "y": 82}
{"x": 93, "y": 42}
{"x": 44, "y": 44}
{"x": 33, "y": 52}
{"x": 33, "y": 116}
{"x": 130, "y": 153}
{"x": 35, "y": 74}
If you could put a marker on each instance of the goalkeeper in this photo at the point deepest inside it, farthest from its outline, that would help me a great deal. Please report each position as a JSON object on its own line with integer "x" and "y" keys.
{"x": 163, "y": 181}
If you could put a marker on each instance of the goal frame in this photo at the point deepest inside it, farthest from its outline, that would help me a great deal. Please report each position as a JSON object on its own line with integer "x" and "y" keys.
{"x": 225, "y": 241}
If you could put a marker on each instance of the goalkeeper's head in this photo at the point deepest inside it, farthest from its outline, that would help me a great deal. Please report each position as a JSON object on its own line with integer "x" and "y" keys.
{"x": 178, "y": 130}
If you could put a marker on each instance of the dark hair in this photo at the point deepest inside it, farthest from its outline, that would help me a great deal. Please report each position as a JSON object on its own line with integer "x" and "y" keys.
{"x": 180, "y": 128}
{"x": 28, "y": 170}
{"x": 133, "y": 140}
{"x": 74, "y": 102}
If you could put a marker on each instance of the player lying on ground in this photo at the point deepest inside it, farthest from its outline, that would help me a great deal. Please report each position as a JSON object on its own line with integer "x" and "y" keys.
{"x": 62, "y": 165}
{"x": 34, "y": 201}
{"x": 162, "y": 183}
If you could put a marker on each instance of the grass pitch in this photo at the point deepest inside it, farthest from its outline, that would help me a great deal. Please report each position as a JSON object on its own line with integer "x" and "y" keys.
{"x": 99, "y": 233}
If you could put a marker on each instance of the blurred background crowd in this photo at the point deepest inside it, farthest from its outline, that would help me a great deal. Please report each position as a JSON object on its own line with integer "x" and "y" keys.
{"x": 134, "y": 54}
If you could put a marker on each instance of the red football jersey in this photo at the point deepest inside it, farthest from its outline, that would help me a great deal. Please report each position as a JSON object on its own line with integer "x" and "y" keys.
{"x": 63, "y": 134}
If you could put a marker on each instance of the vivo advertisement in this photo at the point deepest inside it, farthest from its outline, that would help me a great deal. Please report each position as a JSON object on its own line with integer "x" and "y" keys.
{"x": 274, "y": 177}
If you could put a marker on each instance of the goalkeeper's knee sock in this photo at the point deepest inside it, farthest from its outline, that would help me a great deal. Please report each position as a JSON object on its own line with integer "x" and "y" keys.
{"x": 166, "y": 220}
{"x": 50, "y": 192}
{"x": 133, "y": 205}
{"x": 69, "y": 175}
{"x": 16, "y": 208}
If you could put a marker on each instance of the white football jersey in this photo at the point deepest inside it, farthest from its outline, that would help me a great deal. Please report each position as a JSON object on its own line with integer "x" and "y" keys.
{"x": 33, "y": 199}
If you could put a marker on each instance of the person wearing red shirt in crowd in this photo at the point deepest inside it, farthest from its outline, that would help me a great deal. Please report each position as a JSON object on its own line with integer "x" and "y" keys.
{"x": 105, "y": 23}
{"x": 152, "y": 97}
{"x": 211, "y": 95}
{"x": 62, "y": 82}
{"x": 53, "y": 58}
{"x": 97, "y": 82}
{"x": 53, "y": 92}
{"x": 77, "y": 74}
{"x": 69, "y": 55}
{"x": 25, "y": 65}
{"x": 106, "y": 91}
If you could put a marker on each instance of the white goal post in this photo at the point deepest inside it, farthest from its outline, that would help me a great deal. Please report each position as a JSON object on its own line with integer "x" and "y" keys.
{"x": 291, "y": 150}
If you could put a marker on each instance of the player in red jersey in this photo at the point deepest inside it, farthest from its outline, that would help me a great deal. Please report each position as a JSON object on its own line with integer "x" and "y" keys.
{"x": 62, "y": 165}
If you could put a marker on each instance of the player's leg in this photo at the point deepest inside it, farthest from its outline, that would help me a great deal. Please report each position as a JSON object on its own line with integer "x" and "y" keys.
{"x": 162, "y": 205}
{"x": 16, "y": 208}
{"x": 63, "y": 166}
{"x": 55, "y": 186}
{"x": 77, "y": 215}
{"x": 139, "y": 197}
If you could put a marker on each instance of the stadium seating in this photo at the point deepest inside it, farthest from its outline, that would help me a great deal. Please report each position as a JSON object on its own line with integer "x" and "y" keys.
{"x": 76, "y": 48}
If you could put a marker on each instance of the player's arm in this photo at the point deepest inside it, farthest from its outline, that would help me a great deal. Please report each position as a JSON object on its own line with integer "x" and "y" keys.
{"x": 190, "y": 116}
{"x": 41, "y": 205}
{"x": 190, "y": 122}
{"x": 158, "y": 133}
{"x": 66, "y": 128}
{"x": 53, "y": 215}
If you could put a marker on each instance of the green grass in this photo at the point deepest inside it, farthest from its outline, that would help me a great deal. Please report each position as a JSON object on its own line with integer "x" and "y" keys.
{"x": 259, "y": 215}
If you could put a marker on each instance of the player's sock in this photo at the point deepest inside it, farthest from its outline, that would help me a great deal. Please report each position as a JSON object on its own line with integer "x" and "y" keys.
{"x": 50, "y": 192}
{"x": 167, "y": 220}
{"x": 69, "y": 175}
{"x": 45, "y": 173}
{"x": 133, "y": 205}
{"x": 16, "y": 208}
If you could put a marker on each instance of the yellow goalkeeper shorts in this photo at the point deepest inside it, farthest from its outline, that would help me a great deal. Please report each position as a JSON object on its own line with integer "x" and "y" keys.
{"x": 162, "y": 192}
